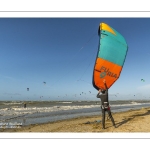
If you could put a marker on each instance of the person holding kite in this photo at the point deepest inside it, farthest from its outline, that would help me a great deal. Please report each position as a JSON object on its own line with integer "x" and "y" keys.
{"x": 103, "y": 95}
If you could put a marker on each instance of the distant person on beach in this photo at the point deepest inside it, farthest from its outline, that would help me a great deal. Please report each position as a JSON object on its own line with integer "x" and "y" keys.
{"x": 25, "y": 105}
{"x": 103, "y": 95}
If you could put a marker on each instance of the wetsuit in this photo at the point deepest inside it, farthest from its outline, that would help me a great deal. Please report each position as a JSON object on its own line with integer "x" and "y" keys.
{"x": 105, "y": 106}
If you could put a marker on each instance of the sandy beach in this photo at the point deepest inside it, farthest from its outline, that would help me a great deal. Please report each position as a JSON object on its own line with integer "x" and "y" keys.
{"x": 129, "y": 121}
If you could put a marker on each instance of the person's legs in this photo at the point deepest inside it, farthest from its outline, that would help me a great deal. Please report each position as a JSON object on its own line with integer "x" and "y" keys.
{"x": 111, "y": 117}
{"x": 103, "y": 118}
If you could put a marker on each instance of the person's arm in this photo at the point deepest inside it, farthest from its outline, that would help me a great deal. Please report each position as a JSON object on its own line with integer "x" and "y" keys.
{"x": 105, "y": 85}
{"x": 98, "y": 94}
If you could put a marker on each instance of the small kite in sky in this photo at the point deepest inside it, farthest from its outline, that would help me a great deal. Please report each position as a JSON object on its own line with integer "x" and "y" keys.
{"x": 143, "y": 80}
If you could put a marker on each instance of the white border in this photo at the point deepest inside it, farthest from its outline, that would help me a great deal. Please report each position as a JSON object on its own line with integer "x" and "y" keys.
{"x": 74, "y": 14}
{"x": 74, "y": 5}
{"x": 98, "y": 135}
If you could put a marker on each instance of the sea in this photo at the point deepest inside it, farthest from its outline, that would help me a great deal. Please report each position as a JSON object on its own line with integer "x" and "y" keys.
{"x": 14, "y": 115}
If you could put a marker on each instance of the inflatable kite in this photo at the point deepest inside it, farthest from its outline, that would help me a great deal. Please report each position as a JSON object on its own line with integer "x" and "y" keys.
{"x": 143, "y": 80}
{"x": 110, "y": 57}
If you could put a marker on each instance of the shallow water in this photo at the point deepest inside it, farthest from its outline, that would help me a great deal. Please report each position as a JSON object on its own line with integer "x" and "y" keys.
{"x": 49, "y": 111}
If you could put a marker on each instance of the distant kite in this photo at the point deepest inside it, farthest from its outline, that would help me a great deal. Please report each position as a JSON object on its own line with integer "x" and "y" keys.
{"x": 27, "y": 89}
{"x": 143, "y": 80}
{"x": 44, "y": 82}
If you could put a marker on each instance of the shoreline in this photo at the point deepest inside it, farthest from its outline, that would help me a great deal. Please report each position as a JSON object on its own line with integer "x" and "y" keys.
{"x": 127, "y": 121}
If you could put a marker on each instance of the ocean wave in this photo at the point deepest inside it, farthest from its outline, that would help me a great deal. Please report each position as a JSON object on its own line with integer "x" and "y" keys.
{"x": 30, "y": 110}
{"x": 64, "y": 102}
{"x": 13, "y": 103}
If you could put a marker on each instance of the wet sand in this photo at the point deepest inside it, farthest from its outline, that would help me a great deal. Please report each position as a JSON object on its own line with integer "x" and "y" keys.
{"x": 129, "y": 121}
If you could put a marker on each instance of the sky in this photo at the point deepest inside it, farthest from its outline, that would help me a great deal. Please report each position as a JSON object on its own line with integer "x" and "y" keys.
{"x": 54, "y": 58}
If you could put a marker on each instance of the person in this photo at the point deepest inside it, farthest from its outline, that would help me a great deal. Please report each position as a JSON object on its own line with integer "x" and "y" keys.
{"x": 103, "y": 95}
{"x": 25, "y": 105}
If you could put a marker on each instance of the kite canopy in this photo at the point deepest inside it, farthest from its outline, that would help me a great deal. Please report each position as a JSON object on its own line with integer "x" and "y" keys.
{"x": 110, "y": 57}
{"x": 143, "y": 80}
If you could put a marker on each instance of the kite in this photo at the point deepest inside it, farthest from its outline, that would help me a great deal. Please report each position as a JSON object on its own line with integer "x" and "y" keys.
{"x": 143, "y": 80}
{"x": 110, "y": 57}
{"x": 27, "y": 89}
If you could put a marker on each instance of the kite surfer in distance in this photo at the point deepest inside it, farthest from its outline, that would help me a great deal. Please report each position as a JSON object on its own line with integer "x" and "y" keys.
{"x": 103, "y": 95}
{"x": 24, "y": 105}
